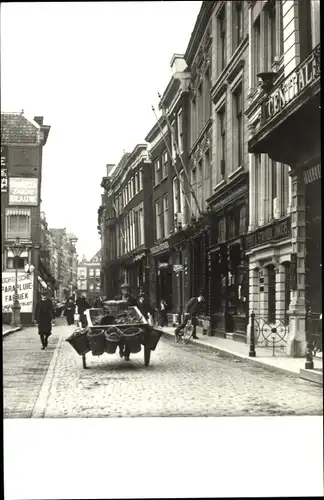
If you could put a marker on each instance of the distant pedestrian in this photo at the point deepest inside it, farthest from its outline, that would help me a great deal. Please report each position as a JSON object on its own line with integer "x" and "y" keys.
{"x": 97, "y": 303}
{"x": 193, "y": 308}
{"x": 69, "y": 311}
{"x": 82, "y": 306}
{"x": 163, "y": 313}
{"x": 43, "y": 316}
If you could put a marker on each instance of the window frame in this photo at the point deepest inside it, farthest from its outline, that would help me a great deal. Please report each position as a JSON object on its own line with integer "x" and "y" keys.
{"x": 238, "y": 24}
{"x": 238, "y": 125}
{"x": 165, "y": 164}
{"x": 157, "y": 171}
{"x": 12, "y": 234}
{"x": 158, "y": 225}
{"x": 180, "y": 129}
{"x": 221, "y": 30}
{"x": 165, "y": 209}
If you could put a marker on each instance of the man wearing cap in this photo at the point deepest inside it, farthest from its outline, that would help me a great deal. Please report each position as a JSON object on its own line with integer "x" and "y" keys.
{"x": 193, "y": 308}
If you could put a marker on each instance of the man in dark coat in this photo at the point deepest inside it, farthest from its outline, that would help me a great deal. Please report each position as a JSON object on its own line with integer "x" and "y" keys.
{"x": 194, "y": 307}
{"x": 82, "y": 306}
{"x": 43, "y": 316}
{"x": 69, "y": 311}
{"x": 144, "y": 306}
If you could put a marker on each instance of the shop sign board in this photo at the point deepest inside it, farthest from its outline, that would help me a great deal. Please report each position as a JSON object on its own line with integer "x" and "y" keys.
{"x": 4, "y": 169}
{"x": 302, "y": 77}
{"x": 25, "y": 291}
{"x": 23, "y": 191}
{"x": 160, "y": 248}
{"x": 178, "y": 267}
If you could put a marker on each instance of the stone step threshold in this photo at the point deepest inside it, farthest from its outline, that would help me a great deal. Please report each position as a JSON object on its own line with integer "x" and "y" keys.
{"x": 315, "y": 375}
{"x": 279, "y": 362}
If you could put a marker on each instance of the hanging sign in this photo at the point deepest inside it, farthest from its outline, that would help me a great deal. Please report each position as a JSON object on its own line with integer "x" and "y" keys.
{"x": 25, "y": 291}
{"x": 4, "y": 169}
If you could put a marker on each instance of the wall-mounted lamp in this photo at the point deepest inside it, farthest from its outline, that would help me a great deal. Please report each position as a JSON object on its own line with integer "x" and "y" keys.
{"x": 29, "y": 268}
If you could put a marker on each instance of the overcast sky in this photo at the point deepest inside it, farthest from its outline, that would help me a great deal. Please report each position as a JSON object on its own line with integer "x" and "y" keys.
{"x": 93, "y": 71}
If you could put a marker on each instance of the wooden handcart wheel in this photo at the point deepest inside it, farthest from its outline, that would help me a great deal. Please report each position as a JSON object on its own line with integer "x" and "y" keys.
{"x": 84, "y": 361}
{"x": 147, "y": 355}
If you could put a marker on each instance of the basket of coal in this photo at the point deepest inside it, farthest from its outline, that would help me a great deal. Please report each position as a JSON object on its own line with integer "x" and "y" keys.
{"x": 96, "y": 339}
{"x": 79, "y": 341}
{"x": 153, "y": 338}
{"x": 113, "y": 337}
{"x": 133, "y": 337}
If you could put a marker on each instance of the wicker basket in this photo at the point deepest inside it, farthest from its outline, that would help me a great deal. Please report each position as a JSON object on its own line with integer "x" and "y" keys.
{"x": 96, "y": 342}
{"x": 112, "y": 340}
{"x": 80, "y": 342}
{"x": 133, "y": 338}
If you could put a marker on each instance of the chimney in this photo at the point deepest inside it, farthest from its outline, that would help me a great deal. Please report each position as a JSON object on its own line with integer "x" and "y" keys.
{"x": 109, "y": 168}
{"x": 178, "y": 63}
{"x": 39, "y": 120}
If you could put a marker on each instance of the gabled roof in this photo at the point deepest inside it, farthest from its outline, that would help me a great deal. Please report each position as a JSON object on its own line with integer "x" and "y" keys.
{"x": 96, "y": 257}
{"x": 17, "y": 129}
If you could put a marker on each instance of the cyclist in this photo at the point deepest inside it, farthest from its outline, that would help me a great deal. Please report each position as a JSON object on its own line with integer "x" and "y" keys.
{"x": 193, "y": 308}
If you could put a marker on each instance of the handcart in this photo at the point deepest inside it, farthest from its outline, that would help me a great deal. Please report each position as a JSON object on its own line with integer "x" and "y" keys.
{"x": 129, "y": 328}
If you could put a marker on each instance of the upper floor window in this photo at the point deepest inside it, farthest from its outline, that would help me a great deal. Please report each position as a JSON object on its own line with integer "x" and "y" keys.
{"x": 157, "y": 171}
{"x": 97, "y": 272}
{"x": 18, "y": 223}
{"x": 91, "y": 272}
{"x": 193, "y": 121}
{"x": 173, "y": 139}
{"x": 237, "y": 24}
{"x": 207, "y": 95}
{"x": 165, "y": 216}
{"x": 238, "y": 126}
{"x": 165, "y": 159}
{"x": 207, "y": 164}
{"x": 221, "y": 133}
{"x": 176, "y": 195}
{"x": 194, "y": 188}
{"x": 256, "y": 51}
{"x": 141, "y": 179}
{"x": 221, "y": 230}
{"x": 221, "y": 21}
{"x": 242, "y": 220}
{"x": 17, "y": 262}
{"x": 158, "y": 220}
{"x": 134, "y": 186}
{"x": 180, "y": 130}
{"x": 200, "y": 184}
{"x": 200, "y": 107}
{"x": 182, "y": 202}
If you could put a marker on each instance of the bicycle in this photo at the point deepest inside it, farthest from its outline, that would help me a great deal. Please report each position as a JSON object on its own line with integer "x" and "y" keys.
{"x": 185, "y": 334}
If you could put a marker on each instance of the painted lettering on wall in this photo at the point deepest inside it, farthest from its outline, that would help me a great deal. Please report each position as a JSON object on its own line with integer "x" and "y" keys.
{"x": 23, "y": 191}
{"x": 25, "y": 291}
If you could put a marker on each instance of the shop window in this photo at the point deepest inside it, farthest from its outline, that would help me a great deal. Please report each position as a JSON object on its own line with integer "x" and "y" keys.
{"x": 271, "y": 294}
{"x": 287, "y": 289}
{"x": 16, "y": 262}
{"x": 221, "y": 230}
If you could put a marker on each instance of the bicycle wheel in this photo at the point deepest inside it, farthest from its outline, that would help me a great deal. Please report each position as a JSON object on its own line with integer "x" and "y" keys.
{"x": 187, "y": 333}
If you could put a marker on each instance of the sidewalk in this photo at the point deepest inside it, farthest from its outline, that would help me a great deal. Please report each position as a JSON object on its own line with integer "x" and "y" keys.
{"x": 263, "y": 357}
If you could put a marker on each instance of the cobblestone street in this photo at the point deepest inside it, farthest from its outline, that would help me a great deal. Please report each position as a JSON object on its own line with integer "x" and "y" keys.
{"x": 180, "y": 381}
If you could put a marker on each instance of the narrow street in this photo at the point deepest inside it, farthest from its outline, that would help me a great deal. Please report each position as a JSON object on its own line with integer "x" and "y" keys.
{"x": 180, "y": 381}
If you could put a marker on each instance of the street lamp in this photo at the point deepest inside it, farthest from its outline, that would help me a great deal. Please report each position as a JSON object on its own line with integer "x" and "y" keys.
{"x": 17, "y": 249}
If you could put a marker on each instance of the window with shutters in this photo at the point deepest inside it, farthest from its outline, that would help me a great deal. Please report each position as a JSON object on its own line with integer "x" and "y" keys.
{"x": 18, "y": 224}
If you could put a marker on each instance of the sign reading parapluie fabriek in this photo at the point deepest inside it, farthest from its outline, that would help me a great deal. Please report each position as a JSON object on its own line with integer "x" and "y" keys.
{"x": 25, "y": 291}
{"x": 4, "y": 169}
{"x": 23, "y": 191}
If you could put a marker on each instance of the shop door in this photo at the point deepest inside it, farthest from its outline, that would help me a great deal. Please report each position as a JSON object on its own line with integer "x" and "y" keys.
{"x": 165, "y": 285}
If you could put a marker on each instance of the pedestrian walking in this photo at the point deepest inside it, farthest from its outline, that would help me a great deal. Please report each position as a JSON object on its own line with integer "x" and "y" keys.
{"x": 43, "y": 316}
{"x": 69, "y": 311}
{"x": 145, "y": 306}
{"x": 193, "y": 308}
{"x": 163, "y": 313}
{"x": 97, "y": 303}
{"x": 82, "y": 306}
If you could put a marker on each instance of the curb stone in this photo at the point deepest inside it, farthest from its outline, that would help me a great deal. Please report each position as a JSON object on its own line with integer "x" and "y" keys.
{"x": 13, "y": 330}
{"x": 231, "y": 354}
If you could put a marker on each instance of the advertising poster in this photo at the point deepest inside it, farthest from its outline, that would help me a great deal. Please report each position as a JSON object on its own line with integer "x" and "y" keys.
{"x": 23, "y": 191}
{"x": 25, "y": 291}
{"x": 4, "y": 169}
